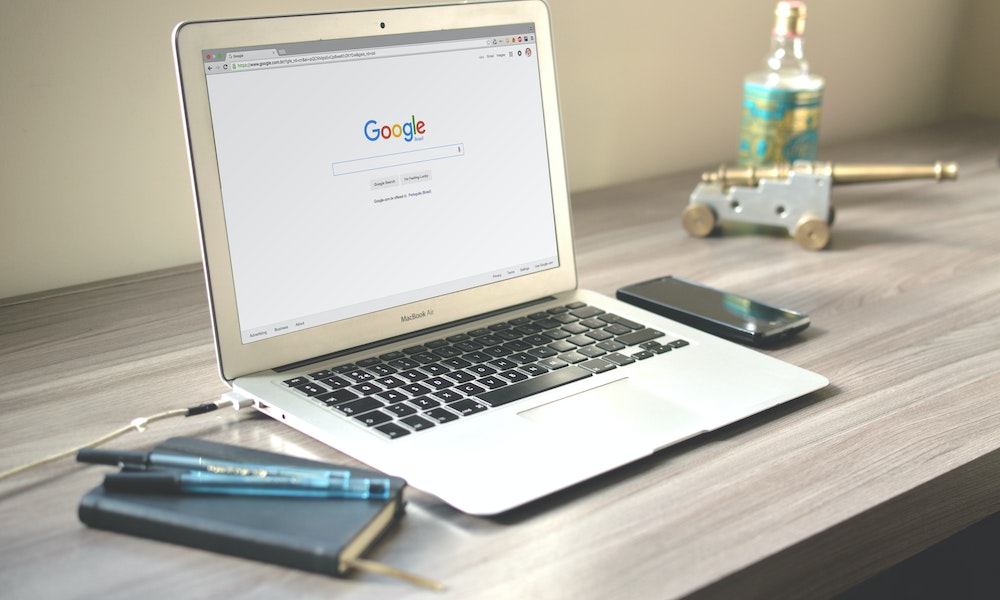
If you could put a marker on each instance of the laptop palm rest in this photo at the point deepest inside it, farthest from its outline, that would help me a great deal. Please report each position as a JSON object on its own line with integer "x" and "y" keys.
{"x": 619, "y": 410}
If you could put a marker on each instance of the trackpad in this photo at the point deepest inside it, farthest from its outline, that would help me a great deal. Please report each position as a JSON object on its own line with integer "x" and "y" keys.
{"x": 620, "y": 408}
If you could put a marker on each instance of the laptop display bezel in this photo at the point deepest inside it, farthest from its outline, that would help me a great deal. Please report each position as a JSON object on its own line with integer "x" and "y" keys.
{"x": 237, "y": 358}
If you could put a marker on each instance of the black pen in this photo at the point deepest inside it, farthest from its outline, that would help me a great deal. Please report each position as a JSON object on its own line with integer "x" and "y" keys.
{"x": 201, "y": 482}
{"x": 197, "y": 463}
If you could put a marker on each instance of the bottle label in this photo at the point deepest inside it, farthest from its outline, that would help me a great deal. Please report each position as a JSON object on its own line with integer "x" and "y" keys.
{"x": 779, "y": 125}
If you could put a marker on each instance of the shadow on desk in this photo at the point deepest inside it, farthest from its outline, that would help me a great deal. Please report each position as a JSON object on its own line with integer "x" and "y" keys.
{"x": 965, "y": 566}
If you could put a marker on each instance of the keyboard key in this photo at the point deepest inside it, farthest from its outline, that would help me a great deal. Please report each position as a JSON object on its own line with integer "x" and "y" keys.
{"x": 562, "y": 346}
{"x": 522, "y": 358}
{"x": 489, "y": 340}
{"x": 337, "y": 397}
{"x": 611, "y": 346}
{"x": 447, "y": 352}
{"x": 617, "y": 329}
{"x": 424, "y": 403}
{"x": 435, "y": 369}
{"x": 597, "y": 365}
{"x": 467, "y": 407}
{"x": 456, "y": 363}
{"x": 537, "y": 339}
{"x": 600, "y": 335}
{"x": 542, "y": 352}
{"x": 359, "y": 375}
{"x": 392, "y": 430}
{"x": 517, "y": 346}
{"x": 417, "y": 423}
{"x": 492, "y": 382}
{"x": 447, "y": 396}
{"x": 470, "y": 389}
{"x": 358, "y": 407}
{"x": 565, "y": 318}
{"x": 655, "y": 347}
{"x": 368, "y": 388}
{"x": 437, "y": 383}
{"x": 416, "y": 389}
{"x": 336, "y": 382}
{"x": 425, "y": 358}
{"x": 462, "y": 376}
{"x": 468, "y": 346}
{"x": 610, "y": 318}
{"x": 514, "y": 376}
{"x": 502, "y": 364}
{"x": 404, "y": 364}
{"x": 413, "y": 375}
{"x": 533, "y": 386}
{"x": 373, "y": 418}
{"x": 381, "y": 370}
{"x": 390, "y": 382}
{"x": 392, "y": 396}
{"x": 401, "y": 410}
{"x": 482, "y": 370}
{"x": 619, "y": 359}
{"x": 592, "y": 351}
{"x": 441, "y": 415}
{"x": 638, "y": 337}
{"x": 311, "y": 389}
{"x": 586, "y": 312}
{"x": 478, "y": 357}
{"x": 540, "y": 367}
{"x": 572, "y": 357}
{"x": 550, "y": 363}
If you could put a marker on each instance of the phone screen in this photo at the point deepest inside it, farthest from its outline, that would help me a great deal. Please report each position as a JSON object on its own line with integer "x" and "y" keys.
{"x": 723, "y": 313}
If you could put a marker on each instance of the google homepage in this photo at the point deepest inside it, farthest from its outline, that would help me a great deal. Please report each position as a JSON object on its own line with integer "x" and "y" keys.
{"x": 351, "y": 186}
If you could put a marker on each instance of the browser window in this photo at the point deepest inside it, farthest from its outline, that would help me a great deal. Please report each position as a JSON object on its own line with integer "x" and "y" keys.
{"x": 359, "y": 175}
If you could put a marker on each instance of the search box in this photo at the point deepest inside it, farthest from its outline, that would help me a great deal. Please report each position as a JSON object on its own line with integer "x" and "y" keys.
{"x": 398, "y": 159}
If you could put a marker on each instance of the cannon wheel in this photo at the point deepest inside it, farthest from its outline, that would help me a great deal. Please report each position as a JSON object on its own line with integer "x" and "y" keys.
{"x": 812, "y": 233}
{"x": 699, "y": 220}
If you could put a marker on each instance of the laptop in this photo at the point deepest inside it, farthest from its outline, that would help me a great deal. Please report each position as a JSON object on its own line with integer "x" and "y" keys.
{"x": 385, "y": 221}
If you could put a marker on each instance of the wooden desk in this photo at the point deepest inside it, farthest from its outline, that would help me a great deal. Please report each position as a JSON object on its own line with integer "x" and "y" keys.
{"x": 901, "y": 451}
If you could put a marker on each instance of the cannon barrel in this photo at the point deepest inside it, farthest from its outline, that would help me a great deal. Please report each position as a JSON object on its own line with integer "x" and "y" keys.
{"x": 839, "y": 174}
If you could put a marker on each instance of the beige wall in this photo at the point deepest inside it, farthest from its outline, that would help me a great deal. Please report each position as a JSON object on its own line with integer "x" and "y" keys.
{"x": 93, "y": 176}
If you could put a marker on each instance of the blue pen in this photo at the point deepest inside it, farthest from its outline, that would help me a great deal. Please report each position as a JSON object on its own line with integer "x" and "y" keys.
{"x": 197, "y": 463}
{"x": 201, "y": 482}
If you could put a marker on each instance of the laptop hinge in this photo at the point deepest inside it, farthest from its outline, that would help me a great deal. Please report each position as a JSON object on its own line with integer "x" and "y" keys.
{"x": 415, "y": 334}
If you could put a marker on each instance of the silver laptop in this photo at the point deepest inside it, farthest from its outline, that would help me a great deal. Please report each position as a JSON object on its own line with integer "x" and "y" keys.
{"x": 386, "y": 234}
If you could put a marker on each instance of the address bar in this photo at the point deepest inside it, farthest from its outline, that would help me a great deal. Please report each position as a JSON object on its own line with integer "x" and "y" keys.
{"x": 359, "y": 54}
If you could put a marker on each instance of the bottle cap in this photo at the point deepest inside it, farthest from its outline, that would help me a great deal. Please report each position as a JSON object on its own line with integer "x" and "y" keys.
{"x": 790, "y": 18}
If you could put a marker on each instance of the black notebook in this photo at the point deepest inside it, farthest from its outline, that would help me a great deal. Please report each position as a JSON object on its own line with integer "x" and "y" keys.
{"x": 314, "y": 534}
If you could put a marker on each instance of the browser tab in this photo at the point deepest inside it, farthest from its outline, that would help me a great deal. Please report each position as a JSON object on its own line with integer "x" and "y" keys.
{"x": 251, "y": 54}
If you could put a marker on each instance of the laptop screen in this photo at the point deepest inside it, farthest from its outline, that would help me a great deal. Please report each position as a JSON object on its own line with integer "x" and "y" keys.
{"x": 359, "y": 175}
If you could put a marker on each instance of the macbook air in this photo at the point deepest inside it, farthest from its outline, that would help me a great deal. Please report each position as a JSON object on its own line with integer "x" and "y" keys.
{"x": 385, "y": 221}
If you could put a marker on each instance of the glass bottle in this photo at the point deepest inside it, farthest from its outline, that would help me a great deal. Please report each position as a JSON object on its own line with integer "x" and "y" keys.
{"x": 781, "y": 105}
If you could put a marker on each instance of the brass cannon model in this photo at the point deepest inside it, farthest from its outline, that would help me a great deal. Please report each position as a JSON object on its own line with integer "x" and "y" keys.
{"x": 795, "y": 197}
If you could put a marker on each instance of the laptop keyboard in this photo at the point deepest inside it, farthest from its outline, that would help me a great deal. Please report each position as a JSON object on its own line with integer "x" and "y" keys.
{"x": 428, "y": 385}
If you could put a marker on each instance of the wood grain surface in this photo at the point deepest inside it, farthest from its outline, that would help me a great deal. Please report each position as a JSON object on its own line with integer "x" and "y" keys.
{"x": 901, "y": 451}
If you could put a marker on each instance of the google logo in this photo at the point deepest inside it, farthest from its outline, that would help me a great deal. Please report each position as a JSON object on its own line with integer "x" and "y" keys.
{"x": 405, "y": 130}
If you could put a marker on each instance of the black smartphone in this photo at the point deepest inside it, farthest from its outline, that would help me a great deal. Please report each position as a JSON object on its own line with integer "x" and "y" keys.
{"x": 720, "y": 313}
